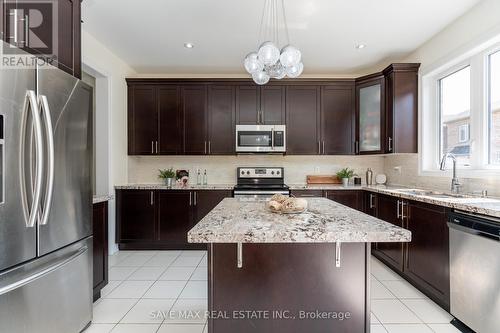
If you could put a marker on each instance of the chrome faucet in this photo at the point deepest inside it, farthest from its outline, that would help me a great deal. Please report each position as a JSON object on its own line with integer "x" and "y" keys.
{"x": 455, "y": 184}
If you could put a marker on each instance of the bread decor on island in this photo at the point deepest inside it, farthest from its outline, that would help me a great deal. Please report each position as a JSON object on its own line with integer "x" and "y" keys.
{"x": 282, "y": 204}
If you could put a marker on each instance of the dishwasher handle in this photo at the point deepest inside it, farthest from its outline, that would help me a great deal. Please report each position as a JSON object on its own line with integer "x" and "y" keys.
{"x": 475, "y": 225}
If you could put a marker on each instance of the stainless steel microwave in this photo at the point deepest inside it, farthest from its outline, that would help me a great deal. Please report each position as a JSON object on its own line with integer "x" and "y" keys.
{"x": 260, "y": 138}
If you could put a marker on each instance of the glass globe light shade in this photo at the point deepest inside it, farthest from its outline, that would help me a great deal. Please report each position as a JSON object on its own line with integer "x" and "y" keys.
{"x": 277, "y": 71}
{"x": 252, "y": 63}
{"x": 260, "y": 77}
{"x": 290, "y": 56}
{"x": 295, "y": 71}
{"x": 268, "y": 53}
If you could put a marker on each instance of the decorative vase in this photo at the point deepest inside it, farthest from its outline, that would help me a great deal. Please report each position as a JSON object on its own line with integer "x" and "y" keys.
{"x": 345, "y": 182}
{"x": 169, "y": 181}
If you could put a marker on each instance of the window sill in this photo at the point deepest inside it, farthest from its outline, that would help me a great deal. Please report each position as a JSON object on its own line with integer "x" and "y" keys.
{"x": 462, "y": 173}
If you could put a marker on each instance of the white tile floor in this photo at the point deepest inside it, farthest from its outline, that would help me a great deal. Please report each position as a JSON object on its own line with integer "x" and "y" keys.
{"x": 145, "y": 281}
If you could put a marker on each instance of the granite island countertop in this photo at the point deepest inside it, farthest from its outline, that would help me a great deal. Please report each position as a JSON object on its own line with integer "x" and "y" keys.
{"x": 237, "y": 220}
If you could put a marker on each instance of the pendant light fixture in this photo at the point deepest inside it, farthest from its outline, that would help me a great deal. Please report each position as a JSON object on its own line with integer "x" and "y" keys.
{"x": 269, "y": 61}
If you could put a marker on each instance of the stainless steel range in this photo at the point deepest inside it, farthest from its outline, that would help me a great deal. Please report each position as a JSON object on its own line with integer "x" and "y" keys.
{"x": 260, "y": 182}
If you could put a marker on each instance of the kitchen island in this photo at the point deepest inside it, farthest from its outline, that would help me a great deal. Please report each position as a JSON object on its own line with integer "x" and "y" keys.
{"x": 306, "y": 272}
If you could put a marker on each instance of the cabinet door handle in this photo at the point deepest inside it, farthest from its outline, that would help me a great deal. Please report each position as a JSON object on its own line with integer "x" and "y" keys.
{"x": 371, "y": 201}
{"x": 397, "y": 211}
{"x": 323, "y": 147}
{"x": 156, "y": 146}
{"x": 151, "y": 198}
{"x": 26, "y": 30}
{"x": 190, "y": 200}
{"x": 306, "y": 195}
{"x": 390, "y": 144}
{"x": 356, "y": 147}
{"x": 319, "y": 148}
{"x": 14, "y": 13}
{"x": 152, "y": 147}
{"x": 205, "y": 147}
{"x": 403, "y": 210}
{"x": 194, "y": 195}
{"x": 209, "y": 147}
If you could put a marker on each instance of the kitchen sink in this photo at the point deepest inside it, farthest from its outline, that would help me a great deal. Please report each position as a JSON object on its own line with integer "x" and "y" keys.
{"x": 433, "y": 194}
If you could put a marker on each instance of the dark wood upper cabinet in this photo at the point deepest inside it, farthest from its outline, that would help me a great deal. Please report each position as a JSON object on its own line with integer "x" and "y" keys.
{"x": 194, "y": 109}
{"x": 427, "y": 256}
{"x": 387, "y": 210}
{"x": 337, "y": 120}
{"x": 264, "y": 105}
{"x": 135, "y": 215}
{"x": 142, "y": 120}
{"x": 68, "y": 34}
{"x": 169, "y": 120}
{"x": 221, "y": 120}
{"x": 247, "y": 104}
{"x": 402, "y": 108}
{"x": 302, "y": 120}
{"x": 370, "y": 115}
{"x": 272, "y": 105}
{"x": 174, "y": 216}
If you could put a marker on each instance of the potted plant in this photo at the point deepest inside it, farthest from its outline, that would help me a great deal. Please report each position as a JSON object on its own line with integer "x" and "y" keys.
{"x": 345, "y": 174}
{"x": 168, "y": 175}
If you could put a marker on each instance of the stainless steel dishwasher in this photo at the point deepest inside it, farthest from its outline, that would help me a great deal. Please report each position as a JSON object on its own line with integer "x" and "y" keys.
{"x": 475, "y": 271}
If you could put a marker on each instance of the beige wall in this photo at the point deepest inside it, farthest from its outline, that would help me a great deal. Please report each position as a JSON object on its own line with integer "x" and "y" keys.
{"x": 222, "y": 169}
{"x": 111, "y": 72}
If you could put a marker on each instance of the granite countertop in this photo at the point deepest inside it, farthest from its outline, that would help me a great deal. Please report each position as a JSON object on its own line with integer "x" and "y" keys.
{"x": 324, "y": 187}
{"x": 101, "y": 198}
{"x": 464, "y": 202}
{"x": 161, "y": 186}
{"x": 237, "y": 220}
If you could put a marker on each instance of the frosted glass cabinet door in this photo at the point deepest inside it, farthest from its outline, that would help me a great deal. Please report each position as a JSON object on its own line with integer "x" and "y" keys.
{"x": 370, "y": 120}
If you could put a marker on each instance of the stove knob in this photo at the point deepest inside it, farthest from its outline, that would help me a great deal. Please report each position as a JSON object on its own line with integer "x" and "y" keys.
{"x": 272, "y": 172}
{"x": 242, "y": 172}
{"x": 248, "y": 172}
{"x": 277, "y": 172}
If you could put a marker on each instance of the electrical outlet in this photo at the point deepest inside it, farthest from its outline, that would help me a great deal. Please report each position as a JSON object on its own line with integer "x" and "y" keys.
{"x": 398, "y": 169}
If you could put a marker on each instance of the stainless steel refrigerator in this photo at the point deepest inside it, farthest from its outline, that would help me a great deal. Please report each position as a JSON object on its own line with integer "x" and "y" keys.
{"x": 45, "y": 201}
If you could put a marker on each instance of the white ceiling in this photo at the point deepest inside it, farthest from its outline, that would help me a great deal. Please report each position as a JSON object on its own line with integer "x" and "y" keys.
{"x": 149, "y": 34}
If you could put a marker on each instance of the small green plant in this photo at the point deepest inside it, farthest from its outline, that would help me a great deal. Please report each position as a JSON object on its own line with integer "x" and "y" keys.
{"x": 345, "y": 173}
{"x": 166, "y": 173}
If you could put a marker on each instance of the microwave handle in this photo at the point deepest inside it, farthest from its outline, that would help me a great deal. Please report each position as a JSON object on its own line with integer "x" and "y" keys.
{"x": 272, "y": 138}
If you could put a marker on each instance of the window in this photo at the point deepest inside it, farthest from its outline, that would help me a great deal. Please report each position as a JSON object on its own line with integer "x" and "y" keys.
{"x": 454, "y": 98}
{"x": 460, "y": 113}
{"x": 463, "y": 133}
{"x": 494, "y": 107}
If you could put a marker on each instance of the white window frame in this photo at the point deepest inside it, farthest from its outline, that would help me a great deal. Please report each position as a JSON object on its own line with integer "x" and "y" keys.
{"x": 429, "y": 112}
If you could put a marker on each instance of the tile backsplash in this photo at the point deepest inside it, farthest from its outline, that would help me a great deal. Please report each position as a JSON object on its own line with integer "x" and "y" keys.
{"x": 222, "y": 169}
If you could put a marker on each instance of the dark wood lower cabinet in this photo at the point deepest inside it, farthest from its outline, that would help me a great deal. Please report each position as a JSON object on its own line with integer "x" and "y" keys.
{"x": 307, "y": 193}
{"x": 390, "y": 253}
{"x": 174, "y": 216}
{"x": 135, "y": 215}
{"x": 100, "y": 247}
{"x": 427, "y": 259}
{"x": 206, "y": 200}
{"x": 349, "y": 198}
{"x": 161, "y": 219}
{"x": 288, "y": 280}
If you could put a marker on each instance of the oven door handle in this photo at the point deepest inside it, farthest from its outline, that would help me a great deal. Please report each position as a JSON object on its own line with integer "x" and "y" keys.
{"x": 256, "y": 192}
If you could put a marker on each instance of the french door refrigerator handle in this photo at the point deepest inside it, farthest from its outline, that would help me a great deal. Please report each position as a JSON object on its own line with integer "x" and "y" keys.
{"x": 37, "y": 275}
{"x": 49, "y": 190}
{"x": 31, "y": 103}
